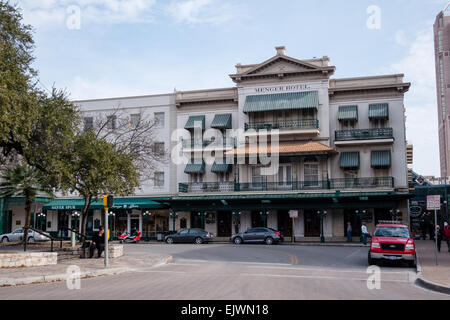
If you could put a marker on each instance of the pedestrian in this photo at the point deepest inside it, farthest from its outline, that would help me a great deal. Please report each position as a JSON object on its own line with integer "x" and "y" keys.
{"x": 349, "y": 232}
{"x": 98, "y": 241}
{"x": 438, "y": 237}
{"x": 447, "y": 234}
{"x": 365, "y": 233}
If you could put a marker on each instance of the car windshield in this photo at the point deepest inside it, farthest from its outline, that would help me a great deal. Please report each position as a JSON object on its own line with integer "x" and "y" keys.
{"x": 392, "y": 232}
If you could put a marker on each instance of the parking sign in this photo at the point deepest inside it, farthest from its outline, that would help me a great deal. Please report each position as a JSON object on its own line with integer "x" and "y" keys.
{"x": 433, "y": 203}
{"x": 293, "y": 214}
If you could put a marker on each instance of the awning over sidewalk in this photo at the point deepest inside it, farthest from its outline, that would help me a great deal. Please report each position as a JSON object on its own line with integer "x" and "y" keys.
{"x": 136, "y": 203}
{"x": 71, "y": 204}
{"x": 282, "y": 101}
{"x": 295, "y": 147}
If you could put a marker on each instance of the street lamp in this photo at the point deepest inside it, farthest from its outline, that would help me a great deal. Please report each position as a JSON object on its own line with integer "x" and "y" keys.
{"x": 202, "y": 218}
{"x": 237, "y": 221}
{"x": 264, "y": 214}
{"x": 76, "y": 216}
{"x": 147, "y": 214}
{"x": 174, "y": 217}
{"x": 395, "y": 214}
{"x": 111, "y": 216}
{"x": 322, "y": 214}
{"x": 41, "y": 218}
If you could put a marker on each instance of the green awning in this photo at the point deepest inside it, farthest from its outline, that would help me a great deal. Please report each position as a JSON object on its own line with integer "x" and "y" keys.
{"x": 136, "y": 203}
{"x": 71, "y": 204}
{"x": 379, "y": 111}
{"x": 350, "y": 160}
{"x": 282, "y": 101}
{"x": 380, "y": 159}
{"x": 194, "y": 168}
{"x": 221, "y": 168}
{"x": 348, "y": 113}
{"x": 195, "y": 122}
{"x": 222, "y": 121}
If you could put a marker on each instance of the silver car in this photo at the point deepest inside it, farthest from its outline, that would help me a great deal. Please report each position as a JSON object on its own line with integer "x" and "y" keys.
{"x": 17, "y": 235}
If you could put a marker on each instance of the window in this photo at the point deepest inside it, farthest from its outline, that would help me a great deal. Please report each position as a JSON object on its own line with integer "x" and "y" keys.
{"x": 197, "y": 178}
{"x": 135, "y": 119}
{"x": 440, "y": 40}
{"x": 350, "y": 178}
{"x": 285, "y": 175}
{"x": 158, "y": 148}
{"x": 311, "y": 174}
{"x": 111, "y": 122}
{"x": 160, "y": 119}
{"x": 256, "y": 175}
{"x": 379, "y": 123}
{"x": 88, "y": 123}
{"x": 441, "y": 22}
{"x": 159, "y": 179}
{"x": 348, "y": 124}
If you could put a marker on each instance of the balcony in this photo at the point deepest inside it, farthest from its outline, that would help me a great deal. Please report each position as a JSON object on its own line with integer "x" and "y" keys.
{"x": 307, "y": 126}
{"x": 355, "y": 136}
{"x": 200, "y": 144}
{"x": 331, "y": 184}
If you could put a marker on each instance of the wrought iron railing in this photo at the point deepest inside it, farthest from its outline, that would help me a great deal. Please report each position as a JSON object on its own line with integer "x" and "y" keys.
{"x": 364, "y": 134}
{"x": 283, "y": 125}
{"x": 194, "y": 143}
{"x": 330, "y": 184}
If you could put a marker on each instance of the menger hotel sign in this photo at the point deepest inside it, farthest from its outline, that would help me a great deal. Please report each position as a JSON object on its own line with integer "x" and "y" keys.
{"x": 286, "y": 88}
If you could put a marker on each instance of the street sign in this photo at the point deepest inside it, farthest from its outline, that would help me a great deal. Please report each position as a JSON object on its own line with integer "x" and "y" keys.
{"x": 293, "y": 214}
{"x": 434, "y": 203}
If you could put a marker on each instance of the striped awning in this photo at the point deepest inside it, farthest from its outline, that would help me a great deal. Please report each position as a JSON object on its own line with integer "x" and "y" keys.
{"x": 282, "y": 101}
{"x": 348, "y": 113}
{"x": 380, "y": 159}
{"x": 195, "y": 122}
{"x": 195, "y": 168}
{"x": 222, "y": 121}
{"x": 350, "y": 160}
{"x": 220, "y": 168}
{"x": 379, "y": 111}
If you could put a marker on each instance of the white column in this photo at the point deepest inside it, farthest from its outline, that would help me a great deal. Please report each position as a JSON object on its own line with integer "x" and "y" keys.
{"x": 128, "y": 223}
{"x": 300, "y": 225}
{"x": 140, "y": 223}
{"x": 328, "y": 225}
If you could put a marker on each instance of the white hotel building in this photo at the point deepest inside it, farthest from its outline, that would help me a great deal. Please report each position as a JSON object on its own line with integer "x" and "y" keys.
{"x": 342, "y": 150}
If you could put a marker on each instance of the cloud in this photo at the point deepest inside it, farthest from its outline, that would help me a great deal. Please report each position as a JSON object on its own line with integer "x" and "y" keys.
{"x": 418, "y": 65}
{"x": 194, "y": 12}
{"x": 47, "y": 13}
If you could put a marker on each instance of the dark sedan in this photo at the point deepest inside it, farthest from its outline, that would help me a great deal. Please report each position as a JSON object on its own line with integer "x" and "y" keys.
{"x": 197, "y": 236}
{"x": 258, "y": 235}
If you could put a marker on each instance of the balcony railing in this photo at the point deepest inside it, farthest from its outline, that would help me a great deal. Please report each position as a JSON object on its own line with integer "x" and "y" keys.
{"x": 224, "y": 142}
{"x": 364, "y": 134}
{"x": 331, "y": 184}
{"x": 283, "y": 125}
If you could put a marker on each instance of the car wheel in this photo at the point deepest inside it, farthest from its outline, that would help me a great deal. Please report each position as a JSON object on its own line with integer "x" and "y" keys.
{"x": 269, "y": 241}
{"x": 372, "y": 262}
{"x": 198, "y": 240}
{"x": 169, "y": 241}
{"x": 5, "y": 239}
{"x": 237, "y": 240}
{"x": 30, "y": 240}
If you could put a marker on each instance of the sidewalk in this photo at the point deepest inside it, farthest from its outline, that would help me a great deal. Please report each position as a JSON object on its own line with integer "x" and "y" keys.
{"x": 88, "y": 268}
{"x": 432, "y": 276}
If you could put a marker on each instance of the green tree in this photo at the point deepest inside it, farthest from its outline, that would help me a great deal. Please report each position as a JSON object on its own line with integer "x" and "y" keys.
{"x": 35, "y": 124}
{"x": 95, "y": 167}
{"x": 23, "y": 181}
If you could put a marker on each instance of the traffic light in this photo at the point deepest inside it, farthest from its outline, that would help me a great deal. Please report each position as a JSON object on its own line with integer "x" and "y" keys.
{"x": 108, "y": 201}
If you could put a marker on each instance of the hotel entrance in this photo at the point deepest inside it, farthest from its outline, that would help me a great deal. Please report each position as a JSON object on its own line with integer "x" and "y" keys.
{"x": 224, "y": 224}
{"x": 284, "y": 223}
{"x": 312, "y": 224}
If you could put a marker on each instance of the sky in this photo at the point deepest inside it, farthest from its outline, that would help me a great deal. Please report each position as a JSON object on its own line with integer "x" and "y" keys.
{"x": 110, "y": 48}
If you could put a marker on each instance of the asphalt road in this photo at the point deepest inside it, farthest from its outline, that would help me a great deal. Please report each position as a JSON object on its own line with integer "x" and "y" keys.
{"x": 217, "y": 272}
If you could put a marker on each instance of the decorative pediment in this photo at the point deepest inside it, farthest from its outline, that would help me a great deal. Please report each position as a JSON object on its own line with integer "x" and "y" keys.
{"x": 280, "y": 64}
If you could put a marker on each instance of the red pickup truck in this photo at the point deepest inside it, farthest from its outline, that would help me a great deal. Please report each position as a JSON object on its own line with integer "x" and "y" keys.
{"x": 392, "y": 242}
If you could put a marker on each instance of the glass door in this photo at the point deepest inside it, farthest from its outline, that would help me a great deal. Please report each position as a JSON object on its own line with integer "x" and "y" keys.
{"x": 285, "y": 177}
{"x": 311, "y": 175}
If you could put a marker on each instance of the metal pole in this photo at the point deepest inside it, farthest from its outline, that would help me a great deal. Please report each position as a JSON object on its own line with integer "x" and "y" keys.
{"x": 106, "y": 238}
{"x": 436, "y": 236}
{"x": 293, "y": 230}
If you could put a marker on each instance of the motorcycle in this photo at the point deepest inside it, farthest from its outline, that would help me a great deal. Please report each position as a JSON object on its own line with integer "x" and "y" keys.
{"x": 127, "y": 238}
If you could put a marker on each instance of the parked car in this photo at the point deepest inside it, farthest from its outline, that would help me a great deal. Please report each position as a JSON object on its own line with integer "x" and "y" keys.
{"x": 258, "y": 235}
{"x": 197, "y": 236}
{"x": 393, "y": 242}
{"x": 17, "y": 235}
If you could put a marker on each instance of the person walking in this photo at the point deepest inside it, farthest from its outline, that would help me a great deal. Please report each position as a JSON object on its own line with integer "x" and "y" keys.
{"x": 447, "y": 234}
{"x": 98, "y": 241}
{"x": 365, "y": 233}
{"x": 349, "y": 232}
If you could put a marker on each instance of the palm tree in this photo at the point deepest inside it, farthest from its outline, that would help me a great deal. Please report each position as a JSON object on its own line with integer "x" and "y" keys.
{"x": 24, "y": 181}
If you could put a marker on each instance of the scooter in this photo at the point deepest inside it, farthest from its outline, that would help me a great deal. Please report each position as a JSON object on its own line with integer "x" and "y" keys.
{"x": 123, "y": 236}
{"x": 135, "y": 238}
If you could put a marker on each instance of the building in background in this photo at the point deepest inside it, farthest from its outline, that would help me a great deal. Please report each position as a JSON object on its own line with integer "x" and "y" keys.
{"x": 442, "y": 58}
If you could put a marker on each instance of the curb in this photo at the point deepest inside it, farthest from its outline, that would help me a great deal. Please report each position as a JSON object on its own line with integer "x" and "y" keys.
{"x": 426, "y": 284}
